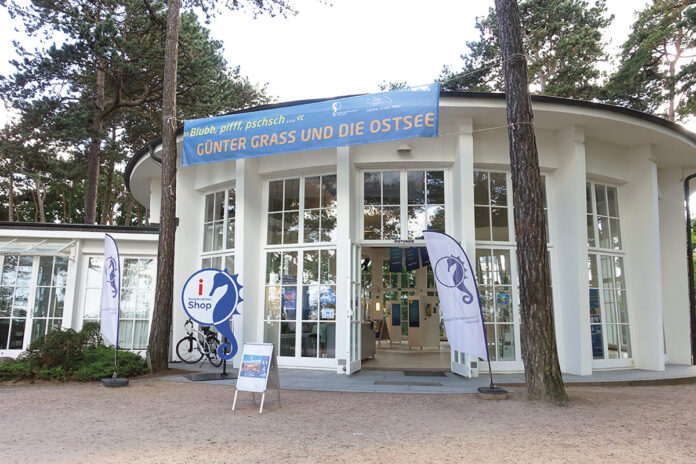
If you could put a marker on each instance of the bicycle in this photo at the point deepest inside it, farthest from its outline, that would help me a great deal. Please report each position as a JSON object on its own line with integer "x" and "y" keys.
{"x": 193, "y": 347}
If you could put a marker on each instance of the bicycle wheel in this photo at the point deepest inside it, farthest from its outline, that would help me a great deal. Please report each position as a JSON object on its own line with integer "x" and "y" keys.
{"x": 215, "y": 360}
{"x": 189, "y": 350}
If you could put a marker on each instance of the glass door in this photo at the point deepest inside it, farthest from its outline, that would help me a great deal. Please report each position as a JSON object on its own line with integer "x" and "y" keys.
{"x": 355, "y": 311}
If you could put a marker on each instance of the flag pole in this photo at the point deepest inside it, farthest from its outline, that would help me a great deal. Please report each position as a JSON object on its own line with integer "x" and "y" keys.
{"x": 115, "y": 380}
{"x": 118, "y": 324}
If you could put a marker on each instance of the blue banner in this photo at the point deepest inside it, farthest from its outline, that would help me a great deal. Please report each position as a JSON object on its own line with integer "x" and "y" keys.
{"x": 425, "y": 259}
{"x": 380, "y": 117}
{"x": 395, "y": 259}
{"x": 412, "y": 259}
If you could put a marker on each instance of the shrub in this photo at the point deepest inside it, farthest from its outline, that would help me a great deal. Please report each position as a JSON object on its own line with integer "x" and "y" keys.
{"x": 69, "y": 355}
{"x": 91, "y": 332}
{"x": 57, "y": 348}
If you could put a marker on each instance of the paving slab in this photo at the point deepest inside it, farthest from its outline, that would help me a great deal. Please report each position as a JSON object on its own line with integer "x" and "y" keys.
{"x": 393, "y": 381}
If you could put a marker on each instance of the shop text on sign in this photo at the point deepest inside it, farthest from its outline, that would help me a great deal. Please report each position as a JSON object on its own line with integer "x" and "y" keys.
{"x": 365, "y": 119}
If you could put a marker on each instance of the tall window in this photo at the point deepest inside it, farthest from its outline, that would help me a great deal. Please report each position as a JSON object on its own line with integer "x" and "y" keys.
{"x": 300, "y": 284}
{"x": 218, "y": 230}
{"x": 305, "y": 204}
{"x": 313, "y": 313}
{"x": 494, "y": 277}
{"x": 402, "y": 204}
{"x": 494, "y": 266}
{"x": 14, "y": 300}
{"x": 137, "y": 297}
{"x": 609, "y": 325}
{"x": 50, "y": 295}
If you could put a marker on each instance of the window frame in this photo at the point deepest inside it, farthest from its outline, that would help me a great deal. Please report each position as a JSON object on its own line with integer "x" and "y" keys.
{"x": 86, "y": 287}
{"x": 403, "y": 203}
{"x": 594, "y": 214}
{"x": 613, "y": 253}
{"x": 300, "y": 247}
{"x": 31, "y": 301}
{"x": 297, "y": 359}
{"x": 301, "y": 211}
{"x": 510, "y": 245}
{"x": 223, "y": 251}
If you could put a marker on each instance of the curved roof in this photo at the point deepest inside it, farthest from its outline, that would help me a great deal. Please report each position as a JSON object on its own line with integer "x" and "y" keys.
{"x": 678, "y": 129}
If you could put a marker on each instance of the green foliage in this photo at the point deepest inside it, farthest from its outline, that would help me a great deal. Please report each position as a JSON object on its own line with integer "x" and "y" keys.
{"x": 55, "y": 91}
{"x": 663, "y": 35}
{"x": 388, "y": 86}
{"x": 563, "y": 43}
{"x": 68, "y": 355}
{"x": 62, "y": 348}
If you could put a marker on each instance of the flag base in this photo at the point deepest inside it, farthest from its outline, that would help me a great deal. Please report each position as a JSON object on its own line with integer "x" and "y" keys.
{"x": 492, "y": 393}
{"x": 112, "y": 382}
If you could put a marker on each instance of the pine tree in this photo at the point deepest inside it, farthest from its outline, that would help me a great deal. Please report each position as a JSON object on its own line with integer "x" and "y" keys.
{"x": 108, "y": 70}
{"x": 56, "y": 92}
{"x": 662, "y": 39}
{"x": 563, "y": 43}
{"x": 158, "y": 344}
{"x": 539, "y": 354}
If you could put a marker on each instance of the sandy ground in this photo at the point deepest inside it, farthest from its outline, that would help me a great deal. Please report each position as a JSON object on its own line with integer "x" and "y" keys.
{"x": 157, "y": 421}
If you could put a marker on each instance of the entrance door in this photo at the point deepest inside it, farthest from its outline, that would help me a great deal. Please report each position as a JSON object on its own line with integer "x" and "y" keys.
{"x": 355, "y": 311}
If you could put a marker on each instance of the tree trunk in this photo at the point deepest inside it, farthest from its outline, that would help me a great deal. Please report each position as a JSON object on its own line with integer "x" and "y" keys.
{"x": 10, "y": 198}
{"x": 671, "y": 92}
{"x": 158, "y": 345}
{"x": 36, "y": 206}
{"x": 106, "y": 207}
{"x": 140, "y": 215}
{"x": 94, "y": 148}
{"x": 40, "y": 198}
{"x": 65, "y": 206}
{"x": 538, "y": 340}
{"x": 129, "y": 210}
{"x": 70, "y": 196}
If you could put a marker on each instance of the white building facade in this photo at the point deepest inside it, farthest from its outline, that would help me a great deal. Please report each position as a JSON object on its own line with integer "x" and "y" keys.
{"x": 51, "y": 277}
{"x": 296, "y": 228}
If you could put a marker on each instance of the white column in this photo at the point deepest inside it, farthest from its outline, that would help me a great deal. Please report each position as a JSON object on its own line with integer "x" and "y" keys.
{"x": 463, "y": 228}
{"x": 568, "y": 212}
{"x": 346, "y": 187}
{"x": 187, "y": 257}
{"x": 675, "y": 285}
{"x": 462, "y": 216}
{"x": 156, "y": 197}
{"x": 74, "y": 286}
{"x": 248, "y": 257}
{"x": 640, "y": 224}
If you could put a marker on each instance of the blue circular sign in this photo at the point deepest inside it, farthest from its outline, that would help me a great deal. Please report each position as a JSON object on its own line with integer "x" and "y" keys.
{"x": 210, "y": 296}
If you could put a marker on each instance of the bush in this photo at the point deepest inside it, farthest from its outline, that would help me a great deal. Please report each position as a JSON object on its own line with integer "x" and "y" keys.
{"x": 57, "y": 348}
{"x": 69, "y": 355}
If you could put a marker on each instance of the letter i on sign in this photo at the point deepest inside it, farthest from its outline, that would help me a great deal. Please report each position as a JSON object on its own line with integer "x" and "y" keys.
{"x": 200, "y": 287}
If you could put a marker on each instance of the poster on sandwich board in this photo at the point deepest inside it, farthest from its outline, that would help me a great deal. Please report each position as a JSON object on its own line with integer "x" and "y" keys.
{"x": 255, "y": 367}
{"x": 258, "y": 371}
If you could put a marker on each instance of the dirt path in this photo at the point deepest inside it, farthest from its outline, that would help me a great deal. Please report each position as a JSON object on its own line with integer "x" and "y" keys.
{"x": 172, "y": 422}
